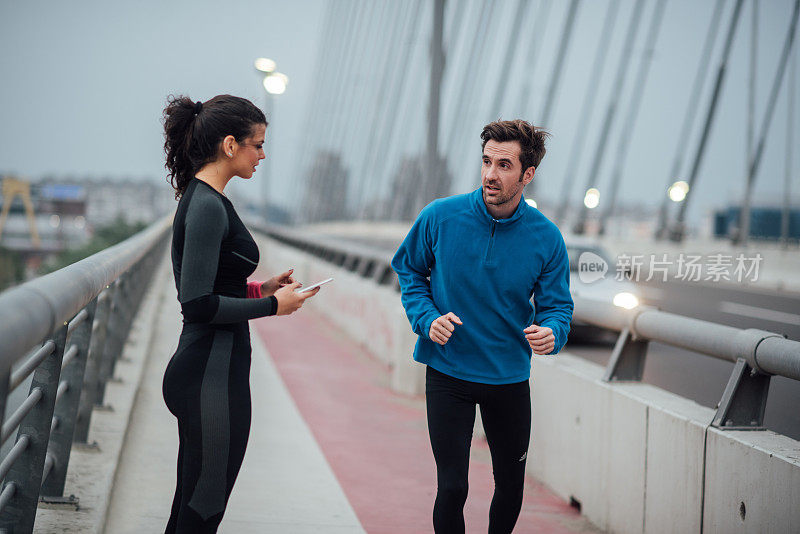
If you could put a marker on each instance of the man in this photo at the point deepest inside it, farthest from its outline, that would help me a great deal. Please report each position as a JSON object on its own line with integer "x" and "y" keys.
{"x": 467, "y": 270}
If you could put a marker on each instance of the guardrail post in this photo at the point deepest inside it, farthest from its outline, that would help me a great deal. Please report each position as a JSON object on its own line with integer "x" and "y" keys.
{"x": 744, "y": 400}
{"x": 128, "y": 302}
{"x": 66, "y": 411}
{"x": 26, "y": 473}
{"x": 114, "y": 317}
{"x": 5, "y": 378}
{"x": 627, "y": 358}
{"x": 141, "y": 280}
{"x": 113, "y": 334}
{"x": 98, "y": 341}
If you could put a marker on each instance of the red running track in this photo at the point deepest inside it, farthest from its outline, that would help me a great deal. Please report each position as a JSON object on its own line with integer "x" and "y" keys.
{"x": 376, "y": 441}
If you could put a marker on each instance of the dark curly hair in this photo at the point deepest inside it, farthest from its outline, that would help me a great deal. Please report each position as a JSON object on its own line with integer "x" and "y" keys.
{"x": 530, "y": 138}
{"x": 193, "y": 132}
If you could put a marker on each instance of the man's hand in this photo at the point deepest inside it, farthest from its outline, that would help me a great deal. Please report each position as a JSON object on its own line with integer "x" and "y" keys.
{"x": 289, "y": 301}
{"x": 276, "y": 282}
{"x": 541, "y": 339}
{"x": 442, "y": 328}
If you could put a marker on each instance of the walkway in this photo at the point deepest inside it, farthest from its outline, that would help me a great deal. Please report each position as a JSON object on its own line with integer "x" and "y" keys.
{"x": 332, "y": 449}
{"x": 285, "y": 484}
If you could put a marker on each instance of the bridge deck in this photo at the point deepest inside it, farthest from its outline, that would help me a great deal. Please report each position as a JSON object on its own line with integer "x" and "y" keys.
{"x": 331, "y": 449}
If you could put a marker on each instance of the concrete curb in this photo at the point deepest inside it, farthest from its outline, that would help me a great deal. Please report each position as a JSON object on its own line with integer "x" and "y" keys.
{"x": 92, "y": 470}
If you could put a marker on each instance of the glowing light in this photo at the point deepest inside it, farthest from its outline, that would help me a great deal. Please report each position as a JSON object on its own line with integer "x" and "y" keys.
{"x": 531, "y": 202}
{"x": 592, "y": 198}
{"x": 626, "y": 300}
{"x": 276, "y": 83}
{"x": 265, "y": 65}
{"x": 677, "y": 191}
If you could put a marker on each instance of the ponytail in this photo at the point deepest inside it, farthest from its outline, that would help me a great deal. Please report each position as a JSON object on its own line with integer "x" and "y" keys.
{"x": 178, "y": 121}
{"x": 193, "y": 132}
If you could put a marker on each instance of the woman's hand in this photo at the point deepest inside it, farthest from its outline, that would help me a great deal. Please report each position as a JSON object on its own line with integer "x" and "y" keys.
{"x": 276, "y": 282}
{"x": 289, "y": 300}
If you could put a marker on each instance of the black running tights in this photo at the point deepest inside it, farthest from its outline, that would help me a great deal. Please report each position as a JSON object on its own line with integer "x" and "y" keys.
{"x": 207, "y": 387}
{"x": 506, "y": 414}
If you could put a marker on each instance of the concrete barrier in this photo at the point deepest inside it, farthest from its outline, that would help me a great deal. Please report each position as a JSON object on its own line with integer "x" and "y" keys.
{"x": 587, "y": 442}
{"x": 640, "y": 459}
{"x": 368, "y": 313}
{"x": 752, "y": 482}
{"x": 635, "y": 457}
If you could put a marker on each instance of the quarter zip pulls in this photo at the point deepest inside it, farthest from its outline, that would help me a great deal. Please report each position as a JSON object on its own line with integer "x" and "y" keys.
{"x": 476, "y": 201}
{"x": 488, "y": 260}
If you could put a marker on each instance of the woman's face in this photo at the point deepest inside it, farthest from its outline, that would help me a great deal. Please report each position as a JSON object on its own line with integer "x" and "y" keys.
{"x": 249, "y": 153}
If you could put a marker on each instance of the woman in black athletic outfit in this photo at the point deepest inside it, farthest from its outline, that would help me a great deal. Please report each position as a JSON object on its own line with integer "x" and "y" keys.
{"x": 206, "y": 384}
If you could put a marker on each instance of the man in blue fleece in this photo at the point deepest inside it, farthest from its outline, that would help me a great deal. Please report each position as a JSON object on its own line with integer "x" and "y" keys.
{"x": 468, "y": 269}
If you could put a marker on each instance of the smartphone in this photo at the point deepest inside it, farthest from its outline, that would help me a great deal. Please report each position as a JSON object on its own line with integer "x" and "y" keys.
{"x": 309, "y": 288}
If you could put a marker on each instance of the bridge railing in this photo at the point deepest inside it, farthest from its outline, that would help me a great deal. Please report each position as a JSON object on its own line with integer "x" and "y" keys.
{"x": 67, "y": 330}
{"x": 367, "y": 261}
{"x": 757, "y": 354}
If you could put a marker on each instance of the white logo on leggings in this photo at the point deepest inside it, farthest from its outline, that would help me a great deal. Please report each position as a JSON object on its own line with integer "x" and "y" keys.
{"x": 522, "y": 459}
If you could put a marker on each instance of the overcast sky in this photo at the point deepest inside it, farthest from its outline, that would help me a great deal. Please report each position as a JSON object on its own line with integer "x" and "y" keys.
{"x": 84, "y": 84}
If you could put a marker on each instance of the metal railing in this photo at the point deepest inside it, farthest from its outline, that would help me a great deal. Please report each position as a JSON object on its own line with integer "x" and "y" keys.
{"x": 64, "y": 331}
{"x": 367, "y": 261}
{"x": 757, "y": 354}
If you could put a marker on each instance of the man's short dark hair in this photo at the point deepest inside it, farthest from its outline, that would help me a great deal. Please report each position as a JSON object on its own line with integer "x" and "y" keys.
{"x": 530, "y": 139}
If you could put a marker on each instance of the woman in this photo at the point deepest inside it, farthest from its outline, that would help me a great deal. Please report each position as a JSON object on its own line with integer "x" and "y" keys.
{"x": 206, "y": 384}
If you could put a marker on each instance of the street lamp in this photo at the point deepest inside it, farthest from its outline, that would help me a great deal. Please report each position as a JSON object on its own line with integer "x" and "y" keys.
{"x": 678, "y": 191}
{"x": 263, "y": 64}
{"x": 592, "y": 198}
{"x": 274, "y": 83}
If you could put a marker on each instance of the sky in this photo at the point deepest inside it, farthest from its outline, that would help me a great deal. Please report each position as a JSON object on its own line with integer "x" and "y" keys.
{"x": 85, "y": 82}
{"x": 88, "y": 81}
{"x": 655, "y": 134}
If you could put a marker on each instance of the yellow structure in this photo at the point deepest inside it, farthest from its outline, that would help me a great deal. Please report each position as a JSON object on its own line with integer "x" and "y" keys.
{"x": 11, "y": 188}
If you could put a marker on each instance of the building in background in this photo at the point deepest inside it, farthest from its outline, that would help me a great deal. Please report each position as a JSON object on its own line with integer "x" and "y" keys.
{"x": 66, "y": 210}
{"x": 413, "y": 188}
{"x": 326, "y": 197}
{"x": 765, "y": 223}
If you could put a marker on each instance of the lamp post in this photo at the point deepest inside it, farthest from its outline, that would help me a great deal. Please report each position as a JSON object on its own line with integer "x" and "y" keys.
{"x": 677, "y": 192}
{"x": 592, "y": 198}
{"x": 274, "y": 83}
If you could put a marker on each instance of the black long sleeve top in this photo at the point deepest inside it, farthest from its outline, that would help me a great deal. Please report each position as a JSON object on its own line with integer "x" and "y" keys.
{"x": 213, "y": 253}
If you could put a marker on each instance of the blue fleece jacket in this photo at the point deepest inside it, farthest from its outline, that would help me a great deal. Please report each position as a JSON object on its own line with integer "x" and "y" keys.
{"x": 458, "y": 258}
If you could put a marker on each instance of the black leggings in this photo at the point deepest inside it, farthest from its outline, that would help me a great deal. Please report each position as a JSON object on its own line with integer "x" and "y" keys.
{"x": 207, "y": 387}
{"x": 506, "y": 415}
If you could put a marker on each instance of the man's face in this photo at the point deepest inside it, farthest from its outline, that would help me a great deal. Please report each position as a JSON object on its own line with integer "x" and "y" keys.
{"x": 502, "y": 176}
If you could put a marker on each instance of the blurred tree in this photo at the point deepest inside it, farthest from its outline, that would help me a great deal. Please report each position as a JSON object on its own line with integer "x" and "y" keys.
{"x": 104, "y": 237}
{"x": 12, "y": 268}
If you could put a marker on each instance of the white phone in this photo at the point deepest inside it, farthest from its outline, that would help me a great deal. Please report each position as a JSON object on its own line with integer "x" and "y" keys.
{"x": 309, "y": 288}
